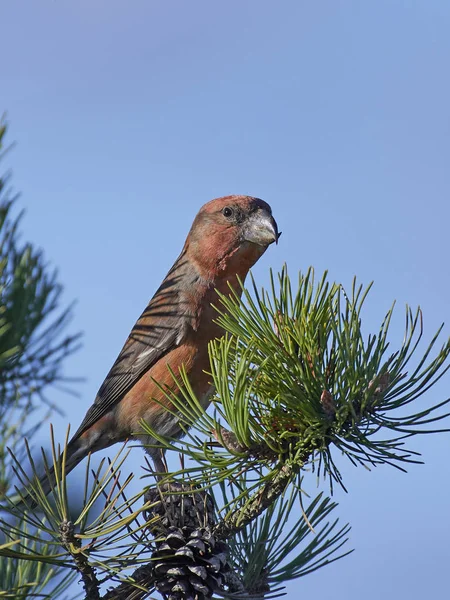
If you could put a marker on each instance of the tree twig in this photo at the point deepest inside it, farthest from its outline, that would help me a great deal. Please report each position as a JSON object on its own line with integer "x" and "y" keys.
{"x": 257, "y": 504}
{"x": 87, "y": 572}
{"x": 127, "y": 591}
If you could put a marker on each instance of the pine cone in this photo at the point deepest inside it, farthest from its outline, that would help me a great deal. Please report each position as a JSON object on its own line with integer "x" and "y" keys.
{"x": 179, "y": 505}
{"x": 189, "y": 563}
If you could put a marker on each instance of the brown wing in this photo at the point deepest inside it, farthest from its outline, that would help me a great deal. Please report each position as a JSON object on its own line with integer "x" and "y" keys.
{"x": 161, "y": 327}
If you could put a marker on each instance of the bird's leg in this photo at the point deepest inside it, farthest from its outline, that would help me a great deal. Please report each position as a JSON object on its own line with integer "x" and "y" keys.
{"x": 160, "y": 463}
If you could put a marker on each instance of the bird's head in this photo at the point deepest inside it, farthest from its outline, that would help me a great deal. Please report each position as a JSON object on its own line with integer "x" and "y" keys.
{"x": 230, "y": 234}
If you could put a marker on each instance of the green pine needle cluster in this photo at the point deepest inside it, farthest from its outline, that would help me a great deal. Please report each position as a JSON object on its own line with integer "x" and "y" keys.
{"x": 296, "y": 377}
{"x": 33, "y": 347}
{"x": 107, "y": 533}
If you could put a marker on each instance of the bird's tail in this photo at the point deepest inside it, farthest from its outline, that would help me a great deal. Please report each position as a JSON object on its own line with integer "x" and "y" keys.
{"x": 74, "y": 454}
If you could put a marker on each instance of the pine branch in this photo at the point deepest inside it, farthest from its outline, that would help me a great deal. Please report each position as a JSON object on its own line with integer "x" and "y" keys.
{"x": 143, "y": 577}
{"x": 295, "y": 379}
{"x": 257, "y": 504}
{"x": 33, "y": 347}
{"x": 87, "y": 572}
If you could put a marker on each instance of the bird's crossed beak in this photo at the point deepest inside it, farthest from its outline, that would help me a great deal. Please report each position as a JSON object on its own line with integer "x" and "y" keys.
{"x": 261, "y": 228}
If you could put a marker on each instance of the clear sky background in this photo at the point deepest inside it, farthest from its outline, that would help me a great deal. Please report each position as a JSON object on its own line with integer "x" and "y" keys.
{"x": 128, "y": 116}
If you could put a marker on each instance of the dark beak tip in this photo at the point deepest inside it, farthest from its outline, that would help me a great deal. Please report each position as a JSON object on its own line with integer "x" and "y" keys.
{"x": 278, "y": 237}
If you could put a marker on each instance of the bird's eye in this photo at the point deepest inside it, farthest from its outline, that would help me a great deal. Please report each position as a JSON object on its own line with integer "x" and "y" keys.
{"x": 228, "y": 212}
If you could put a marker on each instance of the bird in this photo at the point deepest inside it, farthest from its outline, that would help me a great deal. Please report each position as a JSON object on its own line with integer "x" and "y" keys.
{"x": 228, "y": 236}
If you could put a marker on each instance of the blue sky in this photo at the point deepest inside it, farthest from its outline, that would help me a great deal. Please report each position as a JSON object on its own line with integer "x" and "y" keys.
{"x": 129, "y": 116}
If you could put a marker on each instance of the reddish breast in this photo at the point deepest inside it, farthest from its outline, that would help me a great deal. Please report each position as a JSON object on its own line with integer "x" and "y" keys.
{"x": 192, "y": 353}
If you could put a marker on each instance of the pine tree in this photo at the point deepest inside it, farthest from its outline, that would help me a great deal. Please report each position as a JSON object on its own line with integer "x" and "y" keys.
{"x": 297, "y": 381}
{"x": 33, "y": 346}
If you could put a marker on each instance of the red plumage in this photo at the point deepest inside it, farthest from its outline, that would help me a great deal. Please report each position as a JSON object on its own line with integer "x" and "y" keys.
{"x": 226, "y": 239}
